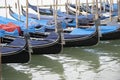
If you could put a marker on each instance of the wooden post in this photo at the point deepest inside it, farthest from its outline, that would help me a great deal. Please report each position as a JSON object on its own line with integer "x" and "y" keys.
{"x": 112, "y": 5}
{"x": 93, "y": 2}
{"x": 78, "y": 7}
{"x": 41, "y": 2}
{"x": 6, "y": 8}
{"x": 118, "y": 10}
{"x": 18, "y": 9}
{"x": 60, "y": 4}
{"x": 38, "y": 13}
{"x": 96, "y": 17}
{"x": 28, "y": 41}
{"x": 110, "y": 10}
{"x": 76, "y": 14}
{"x": 27, "y": 14}
{"x": 87, "y": 6}
{"x": 56, "y": 6}
{"x": 100, "y": 6}
{"x": 97, "y": 20}
{"x": 67, "y": 8}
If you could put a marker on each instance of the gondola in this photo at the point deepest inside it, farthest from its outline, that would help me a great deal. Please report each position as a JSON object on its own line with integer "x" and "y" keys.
{"x": 11, "y": 51}
{"x": 105, "y": 7}
{"x": 65, "y": 21}
{"x": 71, "y": 8}
{"x": 42, "y": 11}
{"x": 46, "y": 17}
{"x": 82, "y": 39}
{"x": 41, "y": 43}
{"x": 82, "y": 19}
{"x": 108, "y": 32}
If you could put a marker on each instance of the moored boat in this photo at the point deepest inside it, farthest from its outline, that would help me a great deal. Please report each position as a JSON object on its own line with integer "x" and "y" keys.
{"x": 105, "y": 30}
{"x": 72, "y": 40}
{"x": 11, "y": 51}
{"x": 40, "y": 42}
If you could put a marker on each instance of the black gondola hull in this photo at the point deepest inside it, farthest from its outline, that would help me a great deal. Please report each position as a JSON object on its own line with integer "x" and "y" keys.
{"x": 53, "y": 49}
{"x": 16, "y": 50}
{"x": 87, "y": 41}
{"x": 111, "y": 36}
{"x": 18, "y": 57}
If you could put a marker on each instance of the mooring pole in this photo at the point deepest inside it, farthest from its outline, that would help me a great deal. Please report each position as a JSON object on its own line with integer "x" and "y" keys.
{"x": 54, "y": 9}
{"x": 76, "y": 13}
{"x": 18, "y": 9}
{"x": 93, "y": 2}
{"x": 110, "y": 10}
{"x": 78, "y": 6}
{"x": 38, "y": 13}
{"x": 27, "y": 14}
{"x": 67, "y": 5}
{"x": 56, "y": 22}
{"x": 87, "y": 6}
{"x": 100, "y": 6}
{"x": 41, "y": 2}
{"x": 96, "y": 17}
{"x": 97, "y": 20}
{"x": 118, "y": 1}
{"x": 6, "y": 9}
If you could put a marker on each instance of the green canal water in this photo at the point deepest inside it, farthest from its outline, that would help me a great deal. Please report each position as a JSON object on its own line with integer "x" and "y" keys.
{"x": 99, "y": 62}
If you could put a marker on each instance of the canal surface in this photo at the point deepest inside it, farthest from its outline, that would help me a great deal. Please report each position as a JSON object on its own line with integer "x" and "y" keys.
{"x": 99, "y": 62}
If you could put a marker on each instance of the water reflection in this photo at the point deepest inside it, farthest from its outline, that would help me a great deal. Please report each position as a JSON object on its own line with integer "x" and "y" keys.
{"x": 109, "y": 58}
{"x": 77, "y": 63}
{"x": 100, "y": 62}
{"x": 9, "y": 73}
{"x": 41, "y": 67}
